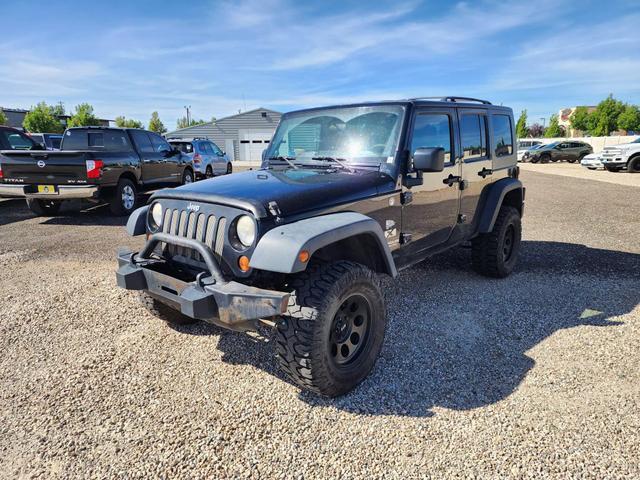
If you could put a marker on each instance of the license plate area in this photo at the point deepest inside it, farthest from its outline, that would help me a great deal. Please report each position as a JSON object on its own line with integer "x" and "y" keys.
{"x": 47, "y": 189}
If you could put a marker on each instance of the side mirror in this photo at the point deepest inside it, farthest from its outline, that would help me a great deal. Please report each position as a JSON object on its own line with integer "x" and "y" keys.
{"x": 429, "y": 159}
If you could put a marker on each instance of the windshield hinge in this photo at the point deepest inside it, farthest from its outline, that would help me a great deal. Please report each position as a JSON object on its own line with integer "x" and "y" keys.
{"x": 275, "y": 210}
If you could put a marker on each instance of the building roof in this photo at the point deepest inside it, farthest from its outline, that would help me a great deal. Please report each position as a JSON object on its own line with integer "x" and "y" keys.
{"x": 226, "y": 118}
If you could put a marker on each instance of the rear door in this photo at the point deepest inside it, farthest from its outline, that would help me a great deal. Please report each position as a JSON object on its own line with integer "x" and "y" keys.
{"x": 152, "y": 162}
{"x": 170, "y": 169}
{"x": 477, "y": 162}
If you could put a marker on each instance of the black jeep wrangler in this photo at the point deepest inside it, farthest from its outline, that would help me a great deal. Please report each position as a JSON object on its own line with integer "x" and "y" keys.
{"x": 344, "y": 193}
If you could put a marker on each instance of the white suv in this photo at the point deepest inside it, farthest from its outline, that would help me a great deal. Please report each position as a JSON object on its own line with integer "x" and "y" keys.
{"x": 622, "y": 156}
{"x": 208, "y": 159}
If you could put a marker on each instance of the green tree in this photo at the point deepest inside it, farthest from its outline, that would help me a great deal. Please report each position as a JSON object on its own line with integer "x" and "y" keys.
{"x": 604, "y": 119}
{"x": 58, "y": 109}
{"x": 40, "y": 119}
{"x": 128, "y": 123}
{"x": 3, "y": 118}
{"x": 521, "y": 127}
{"x": 581, "y": 119}
{"x": 629, "y": 119}
{"x": 554, "y": 129}
{"x": 183, "y": 123}
{"x": 83, "y": 117}
{"x": 155, "y": 125}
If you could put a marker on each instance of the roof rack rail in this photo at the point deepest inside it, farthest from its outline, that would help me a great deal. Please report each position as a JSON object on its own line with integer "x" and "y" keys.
{"x": 455, "y": 99}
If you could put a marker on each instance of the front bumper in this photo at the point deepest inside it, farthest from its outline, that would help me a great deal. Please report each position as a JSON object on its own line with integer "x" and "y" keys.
{"x": 64, "y": 192}
{"x": 615, "y": 162}
{"x": 211, "y": 298}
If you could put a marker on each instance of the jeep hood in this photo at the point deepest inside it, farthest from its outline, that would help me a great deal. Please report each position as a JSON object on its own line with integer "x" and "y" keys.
{"x": 295, "y": 191}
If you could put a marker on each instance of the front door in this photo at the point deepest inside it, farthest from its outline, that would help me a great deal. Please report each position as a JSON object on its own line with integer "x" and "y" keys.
{"x": 152, "y": 161}
{"x": 476, "y": 162}
{"x": 431, "y": 214}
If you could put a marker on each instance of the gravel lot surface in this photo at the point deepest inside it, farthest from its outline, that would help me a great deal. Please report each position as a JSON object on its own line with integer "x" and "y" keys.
{"x": 577, "y": 171}
{"x": 536, "y": 375}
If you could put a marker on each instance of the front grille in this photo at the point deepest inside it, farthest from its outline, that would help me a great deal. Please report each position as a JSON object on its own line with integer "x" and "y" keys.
{"x": 204, "y": 227}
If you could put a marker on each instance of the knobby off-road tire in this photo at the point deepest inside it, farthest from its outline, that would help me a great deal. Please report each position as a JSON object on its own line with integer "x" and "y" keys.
{"x": 44, "y": 208}
{"x": 162, "y": 311}
{"x": 495, "y": 254}
{"x": 331, "y": 336}
{"x": 124, "y": 198}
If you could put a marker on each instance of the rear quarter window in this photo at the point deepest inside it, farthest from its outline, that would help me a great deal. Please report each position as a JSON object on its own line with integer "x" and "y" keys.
{"x": 502, "y": 135}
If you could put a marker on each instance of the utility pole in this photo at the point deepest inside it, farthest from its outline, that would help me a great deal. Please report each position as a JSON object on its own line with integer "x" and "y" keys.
{"x": 544, "y": 121}
{"x": 188, "y": 109}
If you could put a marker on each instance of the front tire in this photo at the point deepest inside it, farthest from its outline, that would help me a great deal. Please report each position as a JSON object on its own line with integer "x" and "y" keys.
{"x": 495, "y": 254}
{"x": 229, "y": 169}
{"x": 123, "y": 201}
{"x": 546, "y": 158}
{"x": 634, "y": 165}
{"x": 331, "y": 336}
{"x": 162, "y": 311}
{"x": 44, "y": 208}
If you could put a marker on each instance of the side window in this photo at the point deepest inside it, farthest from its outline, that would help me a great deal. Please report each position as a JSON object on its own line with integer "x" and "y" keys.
{"x": 502, "y": 135}
{"x": 159, "y": 144}
{"x": 474, "y": 138}
{"x": 207, "y": 148}
{"x": 432, "y": 130}
{"x": 216, "y": 150}
{"x": 141, "y": 139}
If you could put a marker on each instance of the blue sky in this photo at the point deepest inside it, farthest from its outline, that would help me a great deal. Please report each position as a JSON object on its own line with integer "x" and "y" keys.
{"x": 130, "y": 58}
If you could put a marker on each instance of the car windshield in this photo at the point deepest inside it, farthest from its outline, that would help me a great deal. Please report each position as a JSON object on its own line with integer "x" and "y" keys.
{"x": 360, "y": 135}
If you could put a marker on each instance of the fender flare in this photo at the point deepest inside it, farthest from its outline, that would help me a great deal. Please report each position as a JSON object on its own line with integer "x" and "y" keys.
{"x": 278, "y": 250}
{"x": 493, "y": 201}
{"x": 137, "y": 222}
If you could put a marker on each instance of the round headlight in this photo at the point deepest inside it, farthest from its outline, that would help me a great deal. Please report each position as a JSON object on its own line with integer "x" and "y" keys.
{"x": 246, "y": 230}
{"x": 156, "y": 215}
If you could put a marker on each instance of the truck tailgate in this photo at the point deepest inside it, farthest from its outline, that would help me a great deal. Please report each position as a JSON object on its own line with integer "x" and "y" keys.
{"x": 44, "y": 167}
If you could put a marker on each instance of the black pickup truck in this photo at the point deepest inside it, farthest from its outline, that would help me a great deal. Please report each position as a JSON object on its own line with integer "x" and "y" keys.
{"x": 94, "y": 163}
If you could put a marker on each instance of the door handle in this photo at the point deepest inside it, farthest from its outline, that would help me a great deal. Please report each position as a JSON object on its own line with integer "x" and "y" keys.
{"x": 485, "y": 171}
{"x": 451, "y": 179}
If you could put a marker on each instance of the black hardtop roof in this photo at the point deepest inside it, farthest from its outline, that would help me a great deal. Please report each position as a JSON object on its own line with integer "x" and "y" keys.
{"x": 450, "y": 101}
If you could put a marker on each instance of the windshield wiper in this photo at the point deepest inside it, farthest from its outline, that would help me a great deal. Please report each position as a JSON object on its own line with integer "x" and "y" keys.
{"x": 286, "y": 159}
{"x": 339, "y": 161}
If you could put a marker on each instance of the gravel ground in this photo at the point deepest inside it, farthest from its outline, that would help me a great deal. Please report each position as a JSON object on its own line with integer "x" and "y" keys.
{"x": 536, "y": 375}
{"x": 578, "y": 171}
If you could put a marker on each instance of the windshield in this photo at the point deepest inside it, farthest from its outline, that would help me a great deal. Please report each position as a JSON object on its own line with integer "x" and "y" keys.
{"x": 357, "y": 134}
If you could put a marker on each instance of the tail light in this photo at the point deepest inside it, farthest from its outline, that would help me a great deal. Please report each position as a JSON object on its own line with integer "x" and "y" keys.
{"x": 1, "y": 174}
{"x": 94, "y": 168}
{"x": 197, "y": 159}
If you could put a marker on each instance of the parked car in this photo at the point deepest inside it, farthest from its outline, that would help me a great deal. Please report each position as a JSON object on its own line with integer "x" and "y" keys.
{"x": 208, "y": 159}
{"x": 527, "y": 153}
{"x": 345, "y": 193}
{"x": 50, "y": 141}
{"x": 14, "y": 139}
{"x": 622, "y": 156}
{"x": 592, "y": 161}
{"x": 568, "y": 150}
{"x": 524, "y": 145}
{"x": 94, "y": 163}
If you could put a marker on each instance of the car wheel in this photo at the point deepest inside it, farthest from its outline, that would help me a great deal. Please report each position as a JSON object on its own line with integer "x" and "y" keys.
{"x": 123, "y": 201}
{"x": 162, "y": 311}
{"x": 187, "y": 177}
{"x": 634, "y": 165}
{"x": 495, "y": 254}
{"x": 229, "y": 168}
{"x": 545, "y": 158}
{"x": 591, "y": 168}
{"x": 208, "y": 172}
{"x": 44, "y": 208}
{"x": 332, "y": 333}
{"x": 534, "y": 159}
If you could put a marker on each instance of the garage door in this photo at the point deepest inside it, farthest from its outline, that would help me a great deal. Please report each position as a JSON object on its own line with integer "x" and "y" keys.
{"x": 252, "y": 143}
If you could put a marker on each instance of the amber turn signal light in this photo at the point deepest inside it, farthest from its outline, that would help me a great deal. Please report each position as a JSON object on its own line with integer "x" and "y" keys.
{"x": 243, "y": 263}
{"x": 303, "y": 256}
